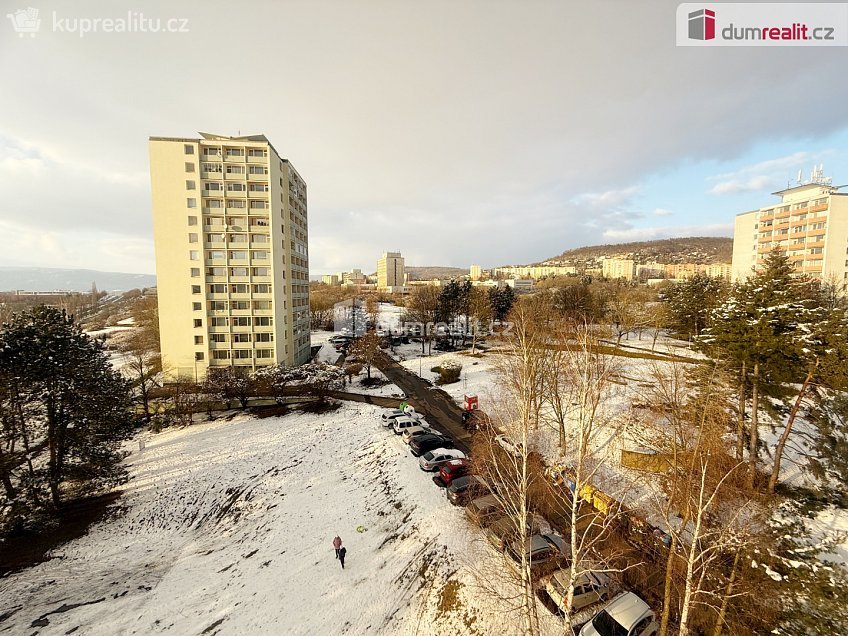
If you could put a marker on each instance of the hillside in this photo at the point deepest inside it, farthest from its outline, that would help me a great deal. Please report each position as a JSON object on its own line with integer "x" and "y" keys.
{"x": 696, "y": 249}
{"x": 49, "y": 279}
{"x": 429, "y": 272}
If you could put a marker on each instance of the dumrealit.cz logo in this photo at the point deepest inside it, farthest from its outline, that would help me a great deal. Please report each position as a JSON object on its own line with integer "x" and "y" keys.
{"x": 27, "y": 22}
{"x": 763, "y": 24}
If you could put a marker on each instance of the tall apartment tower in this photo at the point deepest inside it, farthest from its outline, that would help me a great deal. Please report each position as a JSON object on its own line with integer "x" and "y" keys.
{"x": 232, "y": 262}
{"x": 390, "y": 270}
{"x": 476, "y": 272}
{"x": 810, "y": 224}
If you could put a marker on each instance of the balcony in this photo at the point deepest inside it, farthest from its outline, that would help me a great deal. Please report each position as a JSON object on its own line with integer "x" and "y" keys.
{"x": 251, "y": 159}
{"x": 235, "y": 194}
{"x": 258, "y": 195}
{"x": 234, "y": 176}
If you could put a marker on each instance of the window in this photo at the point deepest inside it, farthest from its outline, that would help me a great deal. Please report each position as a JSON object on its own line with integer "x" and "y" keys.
{"x": 259, "y": 238}
{"x": 211, "y": 167}
{"x": 263, "y": 337}
{"x": 212, "y": 152}
{"x": 263, "y": 321}
{"x": 215, "y": 237}
{"x": 194, "y": 255}
{"x": 198, "y": 356}
{"x": 189, "y": 167}
{"x": 235, "y": 152}
{"x": 262, "y": 288}
{"x": 217, "y": 305}
{"x": 214, "y": 186}
{"x": 216, "y": 271}
{"x": 263, "y": 353}
{"x": 218, "y": 322}
{"x": 241, "y": 321}
{"x": 198, "y": 322}
{"x": 196, "y": 306}
{"x": 192, "y": 237}
{"x": 241, "y": 353}
{"x": 191, "y": 185}
{"x": 219, "y": 337}
{"x": 263, "y": 222}
{"x": 258, "y": 187}
{"x": 262, "y": 305}
{"x": 235, "y": 187}
{"x": 238, "y": 238}
{"x": 240, "y": 288}
{"x": 257, "y": 170}
{"x": 258, "y": 205}
{"x": 235, "y": 203}
{"x": 816, "y": 250}
{"x": 195, "y": 272}
{"x": 241, "y": 337}
{"x": 215, "y": 254}
{"x": 257, "y": 152}
{"x": 192, "y": 220}
{"x": 214, "y": 203}
{"x": 261, "y": 271}
{"x": 259, "y": 255}
{"x": 188, "y": 149}
{"x": 221, "y": 354}
{"x": 238, "y": 256}
{"x": 198, "y": 340}
{"x": 238, "y": 271}
{"x": 191, "y": 202}
{"x": 239, "y": 305}
{"x": 217, "y": 289}
{"x": 235, "y": 169}
{"x": 195, "y": 289}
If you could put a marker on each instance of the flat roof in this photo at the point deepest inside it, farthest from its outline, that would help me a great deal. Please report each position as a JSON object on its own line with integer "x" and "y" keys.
{"x": 213, "y": 137}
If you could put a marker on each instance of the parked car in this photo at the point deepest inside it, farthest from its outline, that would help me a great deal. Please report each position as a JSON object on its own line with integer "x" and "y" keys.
{"x": 389, "y": 419}
{"x": 504, "y": 530}
{"x": 405, "y": 422}
{"x": 484, "y": 510}
{"x": 451, "y": 471}
{"x": 415, "y": 431}
{"x": 513, "y": 448}
{"x": 589, "y": 588}
{"x": 338, "y": 338}
{"x": 391, "y": 413}
{"x": 625, "y": 615}
{"x": 544, "y": 551}
{"x": 464, "y": 489}
{"x": 433, "y": 460}
{"x": 423, "y": 443}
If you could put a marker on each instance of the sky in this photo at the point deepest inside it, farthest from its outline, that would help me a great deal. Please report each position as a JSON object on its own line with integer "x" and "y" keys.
{"x": 486, "y": 132}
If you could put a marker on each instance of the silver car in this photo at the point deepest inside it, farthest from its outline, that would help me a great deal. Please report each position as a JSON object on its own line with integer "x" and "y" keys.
{"x": 431, "y": 460}
{"x": 589, "y": 588}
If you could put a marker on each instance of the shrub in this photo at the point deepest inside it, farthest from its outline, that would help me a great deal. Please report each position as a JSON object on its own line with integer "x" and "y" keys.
{"x": 449, "y": 372}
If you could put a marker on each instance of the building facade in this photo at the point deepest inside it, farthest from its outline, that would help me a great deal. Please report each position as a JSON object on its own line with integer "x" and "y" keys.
{"x": 390, "y": 270}
{"x": 619, "y": 268}
{"x": 232, "y": 259}
{"x": 475, "y": 272}
{"x": 810, "y": 224}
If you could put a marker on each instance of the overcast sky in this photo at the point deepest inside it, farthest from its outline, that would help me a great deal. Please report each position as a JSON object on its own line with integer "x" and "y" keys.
{"x": 458, "y": 132}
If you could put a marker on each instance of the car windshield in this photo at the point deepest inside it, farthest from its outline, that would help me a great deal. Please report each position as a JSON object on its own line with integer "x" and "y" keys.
{"x": 606, "y": 625}
{"x": 428, "y": 455}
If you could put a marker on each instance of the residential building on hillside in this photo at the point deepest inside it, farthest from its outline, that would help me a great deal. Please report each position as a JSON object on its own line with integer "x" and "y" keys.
{"x": 619, "y": 268}
{"x": 390, "y": 270}
{"x": 232, "y": 259}
{"x": 810, "y": 224}
{"x": 330, "y": 279}
{"x": 534, "y": 271}
{"x": 475, "y": 272}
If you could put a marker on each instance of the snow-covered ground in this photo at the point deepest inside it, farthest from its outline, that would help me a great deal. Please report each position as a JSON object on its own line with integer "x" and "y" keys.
{"x": 228, "y": 529}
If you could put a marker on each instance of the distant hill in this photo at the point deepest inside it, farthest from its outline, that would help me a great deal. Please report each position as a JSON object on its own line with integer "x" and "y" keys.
{"x": 433, "y": 271}
{"x": 48, "y": 279}
{"x": 696, "y": 249}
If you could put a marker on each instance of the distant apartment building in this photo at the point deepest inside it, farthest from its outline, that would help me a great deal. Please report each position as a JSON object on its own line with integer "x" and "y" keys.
{"x": 535, "y": 272}
{"x": 810, "y": 224}
{"x": 475, "y": 272}
{"x": 619, "y": 268}
{"x": 353, "y": 277}
{"x": 390, "y": 270}
{"x": 232, "y": 260}
{"x": 330, "y": 279}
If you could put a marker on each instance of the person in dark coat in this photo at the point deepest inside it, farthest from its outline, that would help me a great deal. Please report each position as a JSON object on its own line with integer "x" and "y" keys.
{"x": 337, "y": 543}
{"x": 342, "y": 553}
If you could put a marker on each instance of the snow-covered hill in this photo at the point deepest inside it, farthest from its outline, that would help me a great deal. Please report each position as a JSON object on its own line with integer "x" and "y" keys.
{"x": 228, "y": 529}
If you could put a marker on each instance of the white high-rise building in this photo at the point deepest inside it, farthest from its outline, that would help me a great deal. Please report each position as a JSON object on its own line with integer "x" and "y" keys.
{"x": 390, "y": 270}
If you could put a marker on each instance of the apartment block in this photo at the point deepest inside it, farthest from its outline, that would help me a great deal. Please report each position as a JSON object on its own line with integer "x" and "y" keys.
{"x": 810, "y": 224}
{"x": 232, "y": 259}
{"x": 475, "y": 272}
{"x": 535, "y": 272}
{"x": 390, "y": 270}
{"x": 619, "y": 268}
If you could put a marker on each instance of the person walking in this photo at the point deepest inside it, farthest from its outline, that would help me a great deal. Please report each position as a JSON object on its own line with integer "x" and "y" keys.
{"x": 337, "y": 543}
{"x": 342, "y": 553}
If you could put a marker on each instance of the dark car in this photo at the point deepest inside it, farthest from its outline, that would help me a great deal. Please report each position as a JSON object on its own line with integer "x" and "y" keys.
{"x": 451, "y": 471}
{"x": 464, "y": 489}
{"x": 423, "y": 443}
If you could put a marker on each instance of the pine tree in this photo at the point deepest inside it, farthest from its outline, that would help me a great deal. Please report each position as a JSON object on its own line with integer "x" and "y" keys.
{"x": 502, "y": 299}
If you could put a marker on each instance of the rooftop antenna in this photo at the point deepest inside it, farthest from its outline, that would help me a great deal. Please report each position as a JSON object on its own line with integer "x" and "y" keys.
{"x": 800, "y": 172}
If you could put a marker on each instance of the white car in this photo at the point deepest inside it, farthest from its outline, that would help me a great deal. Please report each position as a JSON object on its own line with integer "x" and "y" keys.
{"x": 415, "y": 431}
{"x": 513, "y": 448}
{"x": 386, "y": 416}
{"x": 431, "y": 460}
{"x": 404, "y": 422}
{"x": 626, "y": 614}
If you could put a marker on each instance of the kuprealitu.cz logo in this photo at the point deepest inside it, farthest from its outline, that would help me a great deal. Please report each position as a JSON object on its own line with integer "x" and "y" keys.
{"x": 27, "y": 22}
{"x": 763, "y": 24}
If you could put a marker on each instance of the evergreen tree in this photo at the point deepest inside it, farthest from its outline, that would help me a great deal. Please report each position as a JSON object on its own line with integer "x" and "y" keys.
{"x": 502, "y": 299}
{"x": 71, "y": 405}
{"x": 692, "y": 301}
